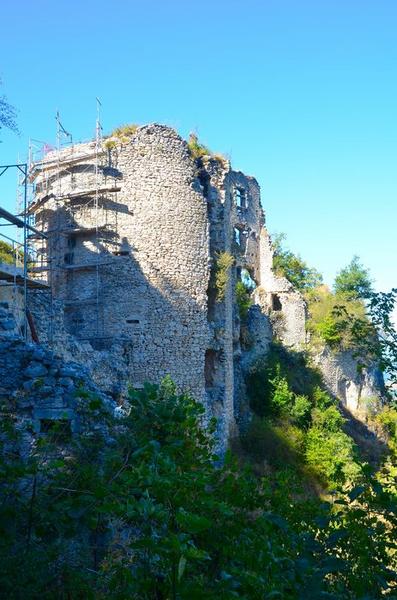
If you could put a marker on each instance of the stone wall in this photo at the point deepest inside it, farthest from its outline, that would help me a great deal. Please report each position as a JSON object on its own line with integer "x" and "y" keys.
{"x": 133, "y": 233}
{"x": 41, "y": 390}
{"x": 280, "y": 300}
{"x": 134, "y": 272}
{"x": 135, "y": 230}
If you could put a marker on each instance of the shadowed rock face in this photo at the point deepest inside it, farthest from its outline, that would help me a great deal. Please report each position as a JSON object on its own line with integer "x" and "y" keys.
{"x": 41, "y": 390}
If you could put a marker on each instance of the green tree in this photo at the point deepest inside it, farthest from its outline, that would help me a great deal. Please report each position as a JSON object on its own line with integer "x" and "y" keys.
{"x": 290, "y": 265}
{"x": 381, "y": 308}
{"x": 353, "y": 281}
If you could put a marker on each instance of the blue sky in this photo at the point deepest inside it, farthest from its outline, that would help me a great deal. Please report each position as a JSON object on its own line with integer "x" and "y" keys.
{"x": 301, "y": 94}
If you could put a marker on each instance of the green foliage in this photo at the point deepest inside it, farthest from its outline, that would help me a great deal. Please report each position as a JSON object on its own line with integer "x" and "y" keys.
{"x": 289, "y": 265}
{"x": 124, "y": 133}
{"x": 281, "y": 397}
{"x": 7, "y": 253}
{"x": 278, "y": 443}
{"x": 353, "y": 281}
{"x": 341, "y": 322}
{"x": 138, "y": 509}
{"x": 380, "y": 307}
{"x": 300, "y": 411}
{"x": 197, "y": 150}
{"x": 220, "y": 275}
{"x": 282, "y": 400}
{"x": 294, "y": 367}
{"x": 331, "y": 455}
{"x": 243, "y": 299}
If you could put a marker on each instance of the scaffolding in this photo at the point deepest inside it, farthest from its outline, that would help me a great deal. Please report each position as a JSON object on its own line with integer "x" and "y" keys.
{"x": 72, "y": 201}
{"x": 18, "y": 254}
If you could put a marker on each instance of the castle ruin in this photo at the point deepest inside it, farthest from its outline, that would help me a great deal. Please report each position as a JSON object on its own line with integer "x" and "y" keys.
{"x": 135, "y": 230}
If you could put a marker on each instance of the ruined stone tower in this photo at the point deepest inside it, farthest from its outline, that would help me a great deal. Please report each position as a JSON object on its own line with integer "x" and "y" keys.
{"x": 134, "y": 228}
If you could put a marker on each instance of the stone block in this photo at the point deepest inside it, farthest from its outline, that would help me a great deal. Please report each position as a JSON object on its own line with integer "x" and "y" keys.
{"x": 35, "y": 370}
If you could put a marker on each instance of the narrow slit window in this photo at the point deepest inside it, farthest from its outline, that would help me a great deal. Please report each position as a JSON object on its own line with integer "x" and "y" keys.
{"x": 237, "y": 236}
{"x": 133, "y": 321}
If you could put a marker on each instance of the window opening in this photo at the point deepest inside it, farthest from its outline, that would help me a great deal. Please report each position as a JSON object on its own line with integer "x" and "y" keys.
{"x": 68, "y": 258}
{"x": 237, "y": 236}
{"x": 240, "y": 197}
{"x": 276, "y": 303}
{"x": 247, "y": 280}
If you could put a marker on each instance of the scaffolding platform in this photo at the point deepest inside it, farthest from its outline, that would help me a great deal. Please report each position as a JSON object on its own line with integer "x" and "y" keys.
{"x": 111, "y": 189}
{"x": 14, "y": 275}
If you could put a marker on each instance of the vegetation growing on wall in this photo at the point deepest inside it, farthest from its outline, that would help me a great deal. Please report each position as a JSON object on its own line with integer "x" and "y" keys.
{"x": 123, "y": 133}
{"x": 243, "y": 299}
{"x": 220, "y": 274}
{"x": 198, "y": 150}
{"x": 7, "y": 253}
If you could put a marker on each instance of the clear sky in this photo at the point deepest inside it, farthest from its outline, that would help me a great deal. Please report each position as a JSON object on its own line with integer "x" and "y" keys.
{"x": 302, "y": 94}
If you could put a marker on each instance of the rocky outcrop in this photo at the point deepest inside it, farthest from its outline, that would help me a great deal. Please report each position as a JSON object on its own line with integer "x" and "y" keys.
{"x": 358, "y": 389}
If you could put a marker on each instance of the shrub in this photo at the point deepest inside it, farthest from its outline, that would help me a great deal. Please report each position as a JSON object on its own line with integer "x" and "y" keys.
{"x": 328, "y": 419}
{"x": 300, "y": 411}
{"x": 387, "y": 419}
{"x": 331, "y": 455}
{"x": 197, "y": 150}
{"x": 340, "y": 322}
{"x": 124, "y": 133}
{"x": 221, "y": 274}
{"x": 322, "y": 399}
{"x": 243, "y": 299}
{"x": 278, "y": 444}
{"x": 7, "y": 253}
{"x": 282, "y": 398}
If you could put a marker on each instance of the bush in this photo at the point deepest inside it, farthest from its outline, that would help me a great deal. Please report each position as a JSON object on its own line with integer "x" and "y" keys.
{"x": 300, "y": 411}
{"x": 124, "y": 133}
{"x": 220, "y": 275}
{"x": 282, "y": 398}
{"x": 278, "y": 444}
{"x": 197, "y": 150}
{"x": 137, "y": 508}
{"x": 328, "y": 419}
{"x": 243, "y": 299}
{"x": 7, "y": 253}
{"x": 340, "y": 322}
{"x": 332, "y": 456}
